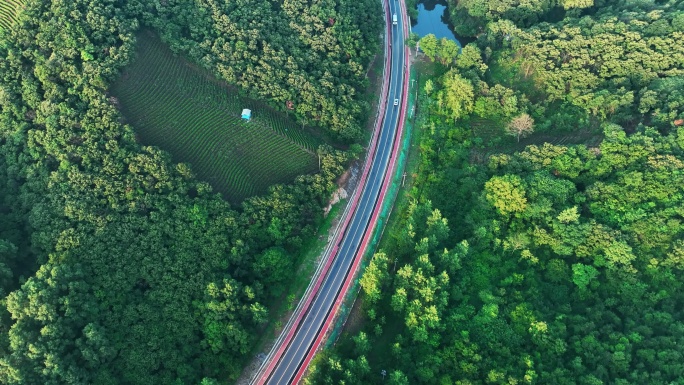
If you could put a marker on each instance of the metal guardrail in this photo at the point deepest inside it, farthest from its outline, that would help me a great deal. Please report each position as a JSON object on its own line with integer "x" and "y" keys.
{"x": 367, "y": 237}
{"x": 284, "y": 338}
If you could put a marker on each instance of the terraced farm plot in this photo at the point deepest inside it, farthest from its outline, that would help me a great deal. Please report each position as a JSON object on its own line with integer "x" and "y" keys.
{"x": 8, "y": 12}
{"x": 176, "y": 106}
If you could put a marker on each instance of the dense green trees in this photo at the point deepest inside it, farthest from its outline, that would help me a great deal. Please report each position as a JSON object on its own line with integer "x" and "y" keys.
{"x": 470, "y": 16}
{"x": 582, "y": 66}
{"x": 555, "y": 264}
{"x": 457, "y": 95}
{"x": 444, "y": 49}
{"x": 570, "y": 272}
{"x": 314, "y": 55}
{"x": 116, "y": 266}
{"x": 621, "y": 63}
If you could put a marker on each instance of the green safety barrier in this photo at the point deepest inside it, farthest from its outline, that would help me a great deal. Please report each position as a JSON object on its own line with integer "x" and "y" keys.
{"x": 383, "y": 217}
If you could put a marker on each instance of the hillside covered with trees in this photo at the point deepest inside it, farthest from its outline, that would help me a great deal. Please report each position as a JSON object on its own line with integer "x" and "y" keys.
{"x": 551, "y": 263}
{"x": 307, "y": 57}
{"x": 117, "y": 266}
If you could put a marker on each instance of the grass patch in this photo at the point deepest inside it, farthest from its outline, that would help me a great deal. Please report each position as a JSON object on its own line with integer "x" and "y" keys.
{"x": 9, "y": 9}
{"x": 422, "y": 70}
{"x": 184, "y": 110}
{"x": 306, "y": 266}
{"x": 508, "y": 145}
{"x": 490, "y": 139}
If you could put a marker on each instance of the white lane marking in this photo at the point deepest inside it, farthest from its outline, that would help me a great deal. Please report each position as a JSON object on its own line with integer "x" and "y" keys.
{"x": 394, "y": 118}
{"x": 343, "y": 251}
{"x": 385, "y": 157}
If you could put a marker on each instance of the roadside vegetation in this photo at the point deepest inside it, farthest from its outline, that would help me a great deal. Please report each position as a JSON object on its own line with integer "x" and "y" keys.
{"x": 117, "y": 264}
{"x": 536, "y": 262}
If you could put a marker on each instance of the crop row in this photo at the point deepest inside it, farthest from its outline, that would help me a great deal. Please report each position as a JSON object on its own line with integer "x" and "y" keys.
{"x": 174, "y": 105}
{"x": 8, "y": 12}
{"x": 220, "y": 96}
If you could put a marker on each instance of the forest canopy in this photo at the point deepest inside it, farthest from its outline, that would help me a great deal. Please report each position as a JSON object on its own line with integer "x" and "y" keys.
{"x": 541, "y": 241}
{"x": 117, "y": 266}
{"x": 312, "y": 57}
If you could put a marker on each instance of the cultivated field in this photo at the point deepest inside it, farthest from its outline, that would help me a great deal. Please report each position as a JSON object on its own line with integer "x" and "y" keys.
{"x": 176, "y": 106}
{"x": 8, "y": 12}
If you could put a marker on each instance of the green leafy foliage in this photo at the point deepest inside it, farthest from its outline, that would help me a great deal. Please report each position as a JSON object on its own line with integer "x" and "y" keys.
{"x": 313, "y": 55}
{"x": 457, "y": 95}
{"x": 117, "y": 266}
{"x": 620, "y": 63}
{"x": 507, "y": 194}
{"x": 552, "y": 264}
{"x": 443, "y": 49}
{"x": 603, "y": 63}
{"x": 534, "y": 292}
{"x": 470, "y": 15}
{"x": 184, "y": 111}
{"x": 429, "y": 45}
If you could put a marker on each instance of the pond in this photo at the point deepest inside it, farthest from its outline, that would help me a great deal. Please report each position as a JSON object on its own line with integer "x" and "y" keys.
{"x": 433, "y": 18}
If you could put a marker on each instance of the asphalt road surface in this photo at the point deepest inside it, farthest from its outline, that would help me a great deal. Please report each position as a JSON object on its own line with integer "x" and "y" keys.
{"x": 314, "y": 320}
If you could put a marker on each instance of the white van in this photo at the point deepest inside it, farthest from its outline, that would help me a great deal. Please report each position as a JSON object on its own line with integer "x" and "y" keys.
{"x": 394, "y": 19}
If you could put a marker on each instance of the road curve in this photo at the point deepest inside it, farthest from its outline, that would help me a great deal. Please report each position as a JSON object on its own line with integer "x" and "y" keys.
{"x": 289, "y": 364}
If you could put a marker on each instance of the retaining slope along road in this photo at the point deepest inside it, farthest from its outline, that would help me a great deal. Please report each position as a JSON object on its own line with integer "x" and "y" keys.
{"x": 293, "y": 361}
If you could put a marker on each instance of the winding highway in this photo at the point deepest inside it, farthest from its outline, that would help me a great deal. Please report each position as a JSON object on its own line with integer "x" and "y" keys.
{"x": 287, "y": 363}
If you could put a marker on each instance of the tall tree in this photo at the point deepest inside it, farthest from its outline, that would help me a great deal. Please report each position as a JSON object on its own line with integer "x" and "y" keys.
{"x": 430, "y": 46}
{"x": 457, "y": 96}
{"x": 448, "y": 51}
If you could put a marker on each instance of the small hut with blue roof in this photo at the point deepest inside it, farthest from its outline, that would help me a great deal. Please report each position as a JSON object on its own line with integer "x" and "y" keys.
{"x": 246, "y": 114}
